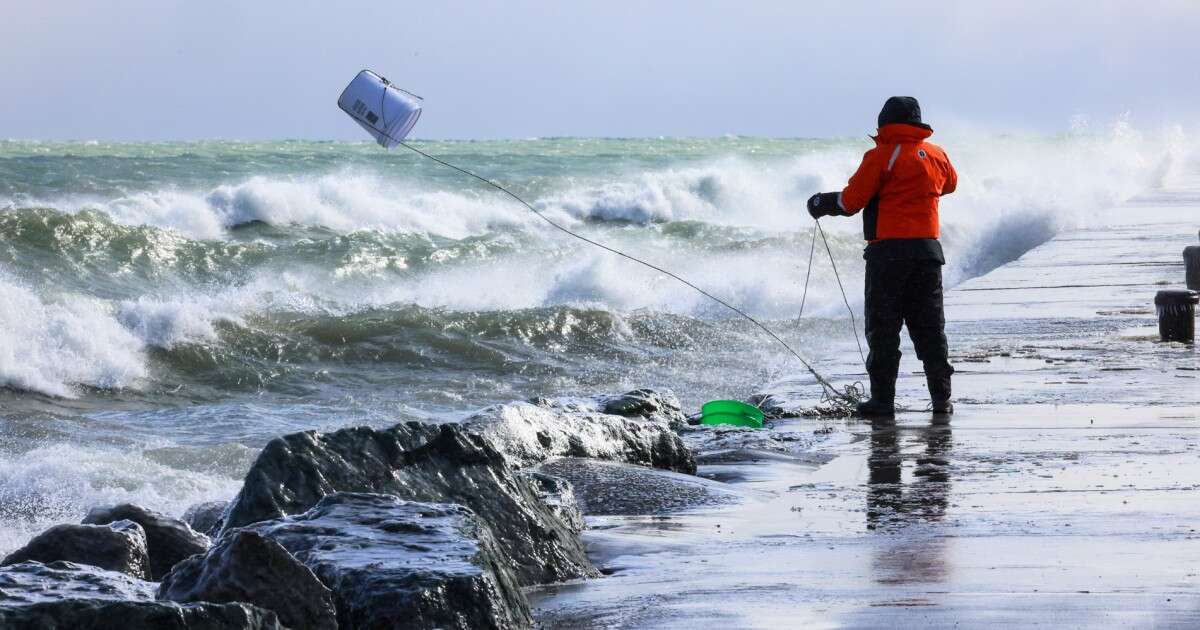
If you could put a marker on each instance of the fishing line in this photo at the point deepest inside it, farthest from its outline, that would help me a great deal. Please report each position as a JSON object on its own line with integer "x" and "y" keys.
{"x": 850, "y": 394}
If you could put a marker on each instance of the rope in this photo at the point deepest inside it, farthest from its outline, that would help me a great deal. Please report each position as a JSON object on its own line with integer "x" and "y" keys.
{"x": 830, "y": 393}
{"x": 853, "y": 321}
{"x": 807, "y": 275}
{"x": 842, "y": 403}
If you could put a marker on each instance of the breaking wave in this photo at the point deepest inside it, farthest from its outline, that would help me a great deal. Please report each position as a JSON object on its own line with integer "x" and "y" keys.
{"x": 95, "y": 288}
{"x": 60, "y": 482}
{"x": 49, "y": 346}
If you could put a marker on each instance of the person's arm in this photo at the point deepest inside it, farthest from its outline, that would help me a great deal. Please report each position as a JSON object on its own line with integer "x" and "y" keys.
{"x": 951, "y": 183}
{"x": 864, "y": 184}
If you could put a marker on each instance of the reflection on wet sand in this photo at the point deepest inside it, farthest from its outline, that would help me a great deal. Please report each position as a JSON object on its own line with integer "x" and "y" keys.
{"x": 894, "y": 506}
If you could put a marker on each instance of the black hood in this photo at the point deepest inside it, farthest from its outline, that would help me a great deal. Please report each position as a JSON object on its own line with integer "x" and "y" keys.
{"x": 903, "y": 110}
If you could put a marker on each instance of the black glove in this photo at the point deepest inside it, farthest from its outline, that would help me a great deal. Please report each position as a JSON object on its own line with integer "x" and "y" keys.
{"x": 824, "y": 204}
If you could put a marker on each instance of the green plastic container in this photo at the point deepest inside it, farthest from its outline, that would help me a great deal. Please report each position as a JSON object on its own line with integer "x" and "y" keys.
{"x": 731, "y": 412}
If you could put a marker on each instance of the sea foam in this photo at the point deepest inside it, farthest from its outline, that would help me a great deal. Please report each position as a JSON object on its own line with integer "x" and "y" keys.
{"x": 51, "y": 345}
{"x": 341, "y": 202}
{"x": 59, "y": 482}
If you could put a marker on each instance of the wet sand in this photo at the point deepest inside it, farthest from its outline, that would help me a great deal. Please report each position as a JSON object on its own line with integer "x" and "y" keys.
{"x": 1062, "y": 494}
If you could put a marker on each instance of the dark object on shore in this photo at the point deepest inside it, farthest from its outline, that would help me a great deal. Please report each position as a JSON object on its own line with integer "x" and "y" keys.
{"x": 169, "y": 540}
{"x": 1191, "y": 263}
{"x": 1177, "y": 314}
{"x": 400, "y": 564}
{"x": 69, "y": 596}
{"x": 246, "y": 567}
{"x": 418, "y": 462}
{"x": 206, "y": 518}
{"x": 119, "y": 546}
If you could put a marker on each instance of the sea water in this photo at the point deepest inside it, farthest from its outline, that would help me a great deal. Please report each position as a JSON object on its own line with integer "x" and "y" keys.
{"x": 167, "y": 308}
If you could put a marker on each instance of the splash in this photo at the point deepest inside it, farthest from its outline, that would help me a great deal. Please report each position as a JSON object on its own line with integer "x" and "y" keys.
{"x": 58, "y": 483}
{"x": 51, "y": 346}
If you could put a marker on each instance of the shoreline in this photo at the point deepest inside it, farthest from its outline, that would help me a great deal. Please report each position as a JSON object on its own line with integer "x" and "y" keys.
{"x": 1058, "y": 495}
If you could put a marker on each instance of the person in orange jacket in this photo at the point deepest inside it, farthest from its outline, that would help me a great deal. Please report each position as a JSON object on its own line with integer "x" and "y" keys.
{"x": 897, "y": 187}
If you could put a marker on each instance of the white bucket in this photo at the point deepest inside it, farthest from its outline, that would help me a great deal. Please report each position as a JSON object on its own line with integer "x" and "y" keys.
{"x": 384, "y": 110}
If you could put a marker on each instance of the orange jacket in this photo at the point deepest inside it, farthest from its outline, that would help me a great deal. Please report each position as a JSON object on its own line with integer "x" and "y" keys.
{"x": 899, "y": 183}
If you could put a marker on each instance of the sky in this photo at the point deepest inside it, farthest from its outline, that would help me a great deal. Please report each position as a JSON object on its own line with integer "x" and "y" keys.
{"x": 267, "y": 69}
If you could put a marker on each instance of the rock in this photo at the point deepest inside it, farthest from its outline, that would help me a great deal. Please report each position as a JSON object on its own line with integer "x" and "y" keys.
{"x": 31, "y": 582}
{"x": 531, "y": 433}
{"x": 69, "y": 596}
{"x": 418, "y": 462}
{"x": 119, "y": 546}
{"x": 245, "y": 567}
{"x": 646, "y": 403}
{"x": 400, "y": 564}
{"x": 206, "y": 518}
{"x": 559, "y": 495}
{"x": 606, "y": 488}
{"x": 169, "y": 540}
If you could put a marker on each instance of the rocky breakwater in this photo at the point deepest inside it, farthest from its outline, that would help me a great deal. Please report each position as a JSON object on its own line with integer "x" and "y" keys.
{"x": 412, "y": 526}
{"x": 463, "y": 486}
{"x": 417, "y": 462}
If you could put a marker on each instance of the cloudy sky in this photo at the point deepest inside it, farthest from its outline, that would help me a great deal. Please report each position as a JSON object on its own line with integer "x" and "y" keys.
{"x": 253, "y": 69}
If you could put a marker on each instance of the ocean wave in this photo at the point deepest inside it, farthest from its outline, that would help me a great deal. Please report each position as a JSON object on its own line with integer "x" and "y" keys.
{"x": 50, "y": 346}
{"x": 89, "y": 252}
{"x": 168, "y": 323}
{"x": 1061, "y": 177}
{"x": 338, "y": 202}
{"x": 59, "y": 482}
{"x": 128, "y": 278}
{"x": 1015, "y": 193}
{"x": 726, "y": 191}
{"x": 58, "y": 345}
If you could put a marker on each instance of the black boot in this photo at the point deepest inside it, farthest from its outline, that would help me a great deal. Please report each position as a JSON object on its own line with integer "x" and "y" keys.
{"x": 883, "y": 398}
{"x": 939, "y": 393}
{"x": 876, "y": 408}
